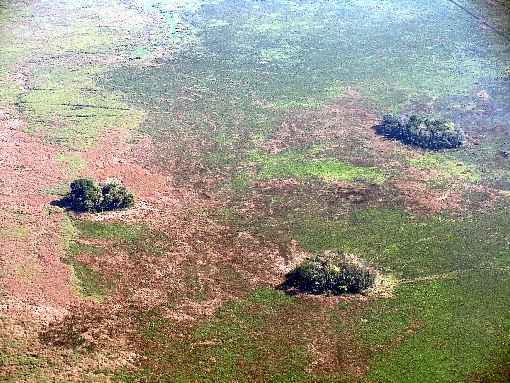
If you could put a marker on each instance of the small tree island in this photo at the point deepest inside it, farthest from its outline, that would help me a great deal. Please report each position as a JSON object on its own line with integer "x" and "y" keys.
{"x": 86, "y": 195}
{"x": 331, "y": 273}
{"x": 421, "y": 131}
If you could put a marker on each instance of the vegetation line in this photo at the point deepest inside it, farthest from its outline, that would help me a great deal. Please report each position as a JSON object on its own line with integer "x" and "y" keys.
{"x": 479, "y": 18}
{"x": 450, "y": 275}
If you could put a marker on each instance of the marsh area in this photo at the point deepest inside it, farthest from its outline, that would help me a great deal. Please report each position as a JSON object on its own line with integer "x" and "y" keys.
{"x": 245, "y": 131}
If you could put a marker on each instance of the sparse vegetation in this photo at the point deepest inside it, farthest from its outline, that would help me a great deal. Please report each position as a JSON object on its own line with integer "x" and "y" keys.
{"x": 332, "y": 273}
{"x": 249, "y": 119}
{"x": 87, "y": 195}
{"x": 421, "y": 131}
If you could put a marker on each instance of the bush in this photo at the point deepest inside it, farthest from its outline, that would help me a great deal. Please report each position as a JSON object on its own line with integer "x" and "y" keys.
{"x": 87, "y": 195}
{"x": 332, "y": 273}
{"x": 422, "y": 132}
{"x": 115, "y": 196}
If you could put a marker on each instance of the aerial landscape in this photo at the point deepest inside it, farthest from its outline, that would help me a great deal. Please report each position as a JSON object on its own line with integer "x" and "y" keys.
{"x": 255, "y": 191}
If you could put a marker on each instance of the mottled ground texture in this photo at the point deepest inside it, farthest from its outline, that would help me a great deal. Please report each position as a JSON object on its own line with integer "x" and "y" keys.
{"x": 244, "y": 128}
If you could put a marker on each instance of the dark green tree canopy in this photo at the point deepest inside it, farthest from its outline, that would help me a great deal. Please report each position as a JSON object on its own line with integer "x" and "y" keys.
{"x": 86, "y": 195}
{"x": 332, "y": 273}
{"x": 421, "y": 131}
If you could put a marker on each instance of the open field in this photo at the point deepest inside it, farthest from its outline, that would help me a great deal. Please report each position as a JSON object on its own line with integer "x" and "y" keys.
{"x": 245, "y": 131}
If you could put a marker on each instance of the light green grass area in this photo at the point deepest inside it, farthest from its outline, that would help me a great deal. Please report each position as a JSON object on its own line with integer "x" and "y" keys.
{"x": 88, "y": 282}
{"x": 109, "y": 231}
{"x": 329, "y": 93}
{"x": 9, "y": 91}
{"x": 73, "y": 162}
{"x": 448, "y": 168}
{"x": 67, "y": 107}
{"x": 60, "y": 99}
{"x": 440, "y": 331}
{"x": 302, "y": 166}
{"x": 60, "y": 189}
{"x": 14, "y": 232}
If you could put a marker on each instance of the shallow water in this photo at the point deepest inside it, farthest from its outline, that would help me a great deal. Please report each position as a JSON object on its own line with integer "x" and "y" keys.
{"x": 249, "y": 64}
{"x": 395, "y": 53}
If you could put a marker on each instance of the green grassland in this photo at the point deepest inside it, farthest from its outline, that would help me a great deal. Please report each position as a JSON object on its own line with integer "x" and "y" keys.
{"x": 284, "y": 58}
{"x": 228, "y": 85}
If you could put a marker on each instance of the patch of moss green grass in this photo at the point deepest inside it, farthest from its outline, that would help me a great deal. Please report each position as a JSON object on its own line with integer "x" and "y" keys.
{"x": 448, "y": 318}
{"x": 441, "y": 330}
{"x": 293, "y": 164}
{"x": 111, "y": 231}
{"x": 90, "y": 283}
{"x": 14, "y": 232}
{"x": 59, "y": 189}
{"x": 447, "y": 167}
{"x": 73, "y": 162}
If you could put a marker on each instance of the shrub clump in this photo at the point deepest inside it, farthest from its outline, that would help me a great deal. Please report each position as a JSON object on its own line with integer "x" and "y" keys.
{"x": 332, "y": 273}
{"x": 87, "y": 195}
{"x": 423, "y": 132}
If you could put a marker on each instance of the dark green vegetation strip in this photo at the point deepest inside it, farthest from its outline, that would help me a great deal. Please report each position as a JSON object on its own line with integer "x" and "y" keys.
{"x": 109, "y": 231}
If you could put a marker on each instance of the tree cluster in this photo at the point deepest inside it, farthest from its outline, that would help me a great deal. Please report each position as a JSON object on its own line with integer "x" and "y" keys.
{"x": 87, "y": 195}
{"x": 421, "y": 131}
{"x": 332, "y": 273}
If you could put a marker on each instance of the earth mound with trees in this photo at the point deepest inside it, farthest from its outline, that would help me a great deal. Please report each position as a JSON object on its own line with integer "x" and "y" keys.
{"x": 87, "y": 195}
{"x": 421, "y": 131}
{"x": 332, "y": 273}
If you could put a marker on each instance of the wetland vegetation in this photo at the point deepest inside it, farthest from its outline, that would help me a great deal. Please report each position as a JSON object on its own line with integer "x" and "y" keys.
{"x": 245, "y": 131}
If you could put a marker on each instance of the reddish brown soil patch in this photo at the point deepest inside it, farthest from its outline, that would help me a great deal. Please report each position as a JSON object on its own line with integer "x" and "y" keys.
{"x": 36, "y": 287}
{"x": 30, "y": 230}
{"x": 199, "y": 265}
